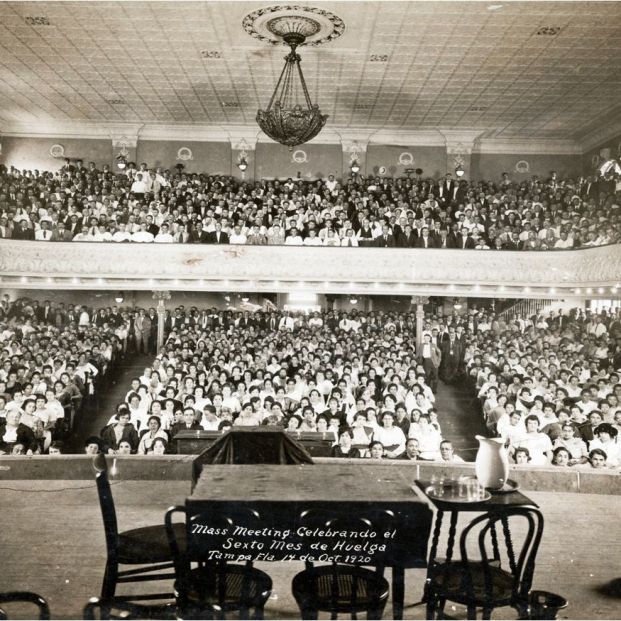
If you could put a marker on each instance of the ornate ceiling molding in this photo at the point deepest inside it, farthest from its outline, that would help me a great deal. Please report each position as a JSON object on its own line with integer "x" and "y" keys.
{"x": 330, "y": 135}
{"x": 527, "y": 147}
{"x": 601, "y": 135}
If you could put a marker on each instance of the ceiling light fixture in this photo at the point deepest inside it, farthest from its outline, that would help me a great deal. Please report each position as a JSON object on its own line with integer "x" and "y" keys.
{"x": 119, "y": 298}
{"x": 289, "y": 118}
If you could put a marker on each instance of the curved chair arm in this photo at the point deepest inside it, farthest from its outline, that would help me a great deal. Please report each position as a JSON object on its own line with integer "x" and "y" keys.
{"x": 25, "y": 596}
{"x": 170, "y": 531}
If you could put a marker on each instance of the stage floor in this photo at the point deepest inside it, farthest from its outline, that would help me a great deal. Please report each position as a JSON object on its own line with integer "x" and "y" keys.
{"x": 52, "y": 543}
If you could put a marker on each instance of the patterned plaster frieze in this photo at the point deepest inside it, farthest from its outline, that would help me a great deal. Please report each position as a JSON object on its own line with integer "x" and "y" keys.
{"x": 338, "y": 270}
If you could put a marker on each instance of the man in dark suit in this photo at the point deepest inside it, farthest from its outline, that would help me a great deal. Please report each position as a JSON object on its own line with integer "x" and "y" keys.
{"x": 385, "y": 240}
{"x": 447, "y": 189}
{"x": 218, "y": 236}
{"x": 425, "y": 240}
{"x": 408, "y": 238}
{"x": 23, "y": 231}
{"x": 465, "y": 240}
{"x": 447, "y": 239}
{"x": 451, "y": 349}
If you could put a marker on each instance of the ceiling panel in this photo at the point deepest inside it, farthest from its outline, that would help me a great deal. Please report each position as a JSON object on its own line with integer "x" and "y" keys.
{"x": 449, "y": 64}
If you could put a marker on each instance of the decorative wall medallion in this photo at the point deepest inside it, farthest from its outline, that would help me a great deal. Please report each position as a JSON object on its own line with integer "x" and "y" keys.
{"x": 270, "y": 23}
{"x": 299, "y": 157}
{"x": 57, "y": 150}
{"x": 381, "y": 170}
{"x": 522, "y": 167}
{"x": 406, "y": 159}
{"x": 184, "y": 154}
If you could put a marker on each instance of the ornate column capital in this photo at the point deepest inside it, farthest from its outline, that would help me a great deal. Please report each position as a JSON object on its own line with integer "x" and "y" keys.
{"x": 125, "y": 136}
{"x": 460, "y": 141}
{"x": 354, "y": 146}
{"x": 161, "y": 296}
{"x": 420, "y": 300}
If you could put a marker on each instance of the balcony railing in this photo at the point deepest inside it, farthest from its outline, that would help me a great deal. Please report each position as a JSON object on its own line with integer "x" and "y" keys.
{"x": 593, "y": 272}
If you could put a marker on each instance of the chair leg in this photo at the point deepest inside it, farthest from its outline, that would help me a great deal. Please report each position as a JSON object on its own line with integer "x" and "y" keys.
{"x": 259, "y": 613}
{"x": 441, "y": 608}
{"x": 108, "y": 588}
{"x": 375, "y": 613}
{"x": 310, "y": 613}
{"x": 472, "y": 612}
{"x": 431, "y": 607}
{"x": 487, "y": 613}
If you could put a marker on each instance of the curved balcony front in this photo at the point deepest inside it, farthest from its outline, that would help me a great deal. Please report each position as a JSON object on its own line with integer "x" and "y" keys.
{"x": 593, "y": 272}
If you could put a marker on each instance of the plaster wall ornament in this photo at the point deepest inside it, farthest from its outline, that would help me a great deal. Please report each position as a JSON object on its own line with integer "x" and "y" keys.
{"x": 299, "y": 156}
{"x": 184, "y": 154}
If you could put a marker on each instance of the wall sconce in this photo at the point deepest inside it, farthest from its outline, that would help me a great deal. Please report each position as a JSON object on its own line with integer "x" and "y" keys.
{"x": 459, "y": 171}
{"x": 242, "y": 163}
{"x": 355, "y": 167}
{"x": 353, "y": 300}
{"x": 245, "y": 298}
{"x": 119, "y": 298}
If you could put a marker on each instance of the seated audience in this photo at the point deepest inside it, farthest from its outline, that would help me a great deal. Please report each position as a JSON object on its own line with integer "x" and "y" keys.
{"x": 88, "y": 204}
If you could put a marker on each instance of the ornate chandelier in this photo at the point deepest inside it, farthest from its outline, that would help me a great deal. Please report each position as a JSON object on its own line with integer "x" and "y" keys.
{"x": 289, "y": 118}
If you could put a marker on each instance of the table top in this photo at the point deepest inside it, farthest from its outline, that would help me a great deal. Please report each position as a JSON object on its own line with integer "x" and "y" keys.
{"x": 496, "y": 502}
{"x": 307, "y": 482}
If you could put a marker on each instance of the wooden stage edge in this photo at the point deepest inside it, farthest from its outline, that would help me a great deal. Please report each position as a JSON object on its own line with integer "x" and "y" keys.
{"x": 179, "y": 468}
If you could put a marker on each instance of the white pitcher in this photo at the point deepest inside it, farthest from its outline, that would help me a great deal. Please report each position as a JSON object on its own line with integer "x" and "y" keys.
{"x": 492, "y": 462}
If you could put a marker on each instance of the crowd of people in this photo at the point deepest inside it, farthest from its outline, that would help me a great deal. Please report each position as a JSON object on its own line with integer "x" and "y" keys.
{"x": 353, "y": 376}
{"x": 83, "y": 203}
{"x": 53, "y": 359}
{"x": 550, "y": 386}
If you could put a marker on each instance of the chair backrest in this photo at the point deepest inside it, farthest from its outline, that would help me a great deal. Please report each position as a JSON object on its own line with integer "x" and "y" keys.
{"x": 517, "y": 555}
{"x": 24, "y": 597}
{"x": 366, "y": 527}
{"x": 206, "y": 536}
{"x": 106, "y": 502}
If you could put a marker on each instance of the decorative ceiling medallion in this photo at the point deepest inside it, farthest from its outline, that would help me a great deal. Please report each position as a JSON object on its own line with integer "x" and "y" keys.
{"x": 270, "y": 24}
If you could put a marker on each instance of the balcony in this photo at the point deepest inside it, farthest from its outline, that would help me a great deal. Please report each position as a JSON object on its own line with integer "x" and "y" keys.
{"x": 593, "y": 272}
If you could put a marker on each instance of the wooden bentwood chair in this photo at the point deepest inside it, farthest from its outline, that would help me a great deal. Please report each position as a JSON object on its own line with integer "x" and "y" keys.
{"x": 24, "y": 597}
{"x": 211, "y": 589}
{"x": 501, "y": 577}
{"x": 147, "y": 546}
{"x": 340, "y": 588}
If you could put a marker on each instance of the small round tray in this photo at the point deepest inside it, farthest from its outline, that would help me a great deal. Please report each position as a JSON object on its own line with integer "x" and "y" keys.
{"x": 508, "y": 488}
{"x": 451, "y": 494}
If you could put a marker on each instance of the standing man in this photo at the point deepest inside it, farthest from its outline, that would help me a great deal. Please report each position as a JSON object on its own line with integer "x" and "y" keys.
{"x": 143, "y": 331}
{"x": 430, "y": 357}
{"x": 452, "y": 349}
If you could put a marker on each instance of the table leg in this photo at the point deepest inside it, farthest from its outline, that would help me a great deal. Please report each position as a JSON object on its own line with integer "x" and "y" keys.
{"x": 398, "y": 591}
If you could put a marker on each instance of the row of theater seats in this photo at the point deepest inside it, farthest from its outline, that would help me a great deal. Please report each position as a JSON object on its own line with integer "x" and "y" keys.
{"x": 146, "y": 205}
